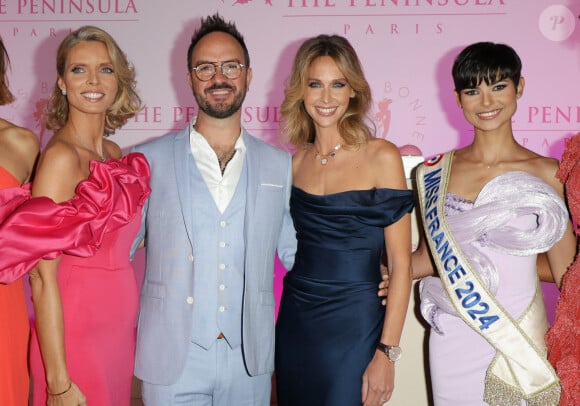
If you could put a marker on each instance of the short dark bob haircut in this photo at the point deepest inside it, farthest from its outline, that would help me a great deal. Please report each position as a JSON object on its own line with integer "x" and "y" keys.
{"x": 486, "y": 62}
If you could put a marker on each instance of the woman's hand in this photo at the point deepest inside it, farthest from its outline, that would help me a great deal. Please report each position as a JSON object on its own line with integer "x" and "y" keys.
{"x": 378, "y": 381}
{"x": 71, "y": 397}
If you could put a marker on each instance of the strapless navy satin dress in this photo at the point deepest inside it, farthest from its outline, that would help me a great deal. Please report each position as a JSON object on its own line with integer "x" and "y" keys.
{"x": 330, "y": 316}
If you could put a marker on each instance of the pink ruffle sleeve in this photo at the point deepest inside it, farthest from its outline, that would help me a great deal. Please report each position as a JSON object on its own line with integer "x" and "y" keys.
{"x": 35, "y": 228}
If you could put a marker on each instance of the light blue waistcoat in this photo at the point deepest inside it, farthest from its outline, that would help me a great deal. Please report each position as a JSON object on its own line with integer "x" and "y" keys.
{"x": 218, "y": 253}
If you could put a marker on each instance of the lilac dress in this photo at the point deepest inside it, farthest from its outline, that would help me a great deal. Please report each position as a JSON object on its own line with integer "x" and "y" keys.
{"x": 458, "y": 356}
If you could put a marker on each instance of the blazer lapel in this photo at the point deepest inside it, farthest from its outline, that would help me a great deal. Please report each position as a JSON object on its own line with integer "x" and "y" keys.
{"x": 182, "y": 158}
{"x": 253, "y": 166}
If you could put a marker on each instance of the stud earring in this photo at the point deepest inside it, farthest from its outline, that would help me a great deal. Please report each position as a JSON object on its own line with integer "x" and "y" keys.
{"x": 63, "y": 91}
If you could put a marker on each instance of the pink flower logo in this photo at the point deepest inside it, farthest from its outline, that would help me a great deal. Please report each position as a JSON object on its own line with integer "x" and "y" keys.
{"x": 38, "y": 116}
{"x": 383, "y": 116}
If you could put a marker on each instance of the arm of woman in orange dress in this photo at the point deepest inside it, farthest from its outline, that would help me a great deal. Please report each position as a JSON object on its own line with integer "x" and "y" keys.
{"x": 53, "y": 180}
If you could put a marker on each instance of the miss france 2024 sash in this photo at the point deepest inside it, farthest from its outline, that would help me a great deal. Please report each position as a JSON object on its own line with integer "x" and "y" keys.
{"x": 520, "y": 369}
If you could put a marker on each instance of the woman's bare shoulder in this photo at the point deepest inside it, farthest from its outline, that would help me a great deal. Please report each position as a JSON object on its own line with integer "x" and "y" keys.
{"x": 18, "y": 139}
{"x": 383, "y": 152}
{"x": 59, "y": 171}
{"x": 386, "y": 163}
{"x": 58, "y": 158}
{"x": 544, "y": 168}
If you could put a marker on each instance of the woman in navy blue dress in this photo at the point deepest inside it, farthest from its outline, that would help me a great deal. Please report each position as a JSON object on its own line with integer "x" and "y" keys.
{"x": 335, "y": 343}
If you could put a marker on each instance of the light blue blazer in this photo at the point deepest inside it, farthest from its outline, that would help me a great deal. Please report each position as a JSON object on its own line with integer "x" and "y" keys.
{"x": 165, "y": 317}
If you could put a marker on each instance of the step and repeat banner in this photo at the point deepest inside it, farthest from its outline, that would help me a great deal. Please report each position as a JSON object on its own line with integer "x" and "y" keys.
{"x": 407, "y": 48}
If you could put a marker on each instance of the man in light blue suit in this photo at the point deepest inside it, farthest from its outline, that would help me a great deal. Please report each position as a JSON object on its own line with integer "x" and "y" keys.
{"x": 217, "y": 215}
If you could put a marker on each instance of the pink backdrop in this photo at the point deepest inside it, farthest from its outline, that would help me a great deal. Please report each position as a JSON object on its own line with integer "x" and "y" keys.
{"x": 407, "y": 48}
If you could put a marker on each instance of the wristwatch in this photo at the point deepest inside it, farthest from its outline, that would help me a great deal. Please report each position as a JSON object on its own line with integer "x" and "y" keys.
{"x": 393, "y": 352}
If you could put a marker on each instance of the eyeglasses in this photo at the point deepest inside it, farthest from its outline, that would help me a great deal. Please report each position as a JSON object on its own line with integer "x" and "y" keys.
{"x": 230, "y": 69}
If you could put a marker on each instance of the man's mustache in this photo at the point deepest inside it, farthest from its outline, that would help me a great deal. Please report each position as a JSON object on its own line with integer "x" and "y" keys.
{"x": 218, "y": 87}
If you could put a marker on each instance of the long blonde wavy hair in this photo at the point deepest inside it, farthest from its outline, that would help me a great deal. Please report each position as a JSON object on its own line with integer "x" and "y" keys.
{"x": 297, "y": 125}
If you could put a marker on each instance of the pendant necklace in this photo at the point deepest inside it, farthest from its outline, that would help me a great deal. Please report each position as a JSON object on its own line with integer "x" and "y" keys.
{"x": 325, "y": 158}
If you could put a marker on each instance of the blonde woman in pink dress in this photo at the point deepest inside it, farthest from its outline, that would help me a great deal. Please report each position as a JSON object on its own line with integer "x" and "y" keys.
{"x": 73, "y": 230}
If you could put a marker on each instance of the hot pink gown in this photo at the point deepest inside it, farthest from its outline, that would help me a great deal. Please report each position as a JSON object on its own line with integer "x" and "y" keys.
{"x": 93, "y": 232}
{"x": 100, "y": 302}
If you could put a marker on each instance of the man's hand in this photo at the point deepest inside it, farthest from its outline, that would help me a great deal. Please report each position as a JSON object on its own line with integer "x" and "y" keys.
{"x": 384, "y": 285}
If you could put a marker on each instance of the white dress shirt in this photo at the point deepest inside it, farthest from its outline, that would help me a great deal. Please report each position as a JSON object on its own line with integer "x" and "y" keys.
{"x": 221, "y": 187}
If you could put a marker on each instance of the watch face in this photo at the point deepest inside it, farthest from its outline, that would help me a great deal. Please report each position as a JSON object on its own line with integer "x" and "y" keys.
{"x": 395, "y": 353}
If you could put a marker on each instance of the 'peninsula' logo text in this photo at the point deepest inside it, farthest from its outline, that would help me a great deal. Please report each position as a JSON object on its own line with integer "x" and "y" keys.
{"x": 68, "y": 7}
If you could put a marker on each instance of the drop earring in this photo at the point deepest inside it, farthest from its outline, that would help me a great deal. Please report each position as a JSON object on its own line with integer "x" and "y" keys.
{"x": 63, "y": 91}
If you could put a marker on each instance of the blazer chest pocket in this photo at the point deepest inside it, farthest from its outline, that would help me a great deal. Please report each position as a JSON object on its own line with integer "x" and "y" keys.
{"x": 271, "y": 193}
{"x": 270, "y": 202}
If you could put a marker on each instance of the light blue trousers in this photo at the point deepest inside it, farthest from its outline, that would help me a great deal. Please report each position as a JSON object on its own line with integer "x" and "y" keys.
{"x": 212, "y": 377}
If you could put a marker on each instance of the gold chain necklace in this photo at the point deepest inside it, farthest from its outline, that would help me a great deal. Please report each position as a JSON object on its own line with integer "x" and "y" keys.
{"x": 325, "y": 158}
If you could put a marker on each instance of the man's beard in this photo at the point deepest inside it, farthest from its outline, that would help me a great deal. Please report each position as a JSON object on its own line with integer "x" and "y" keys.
{"x": 220, "y": 110}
